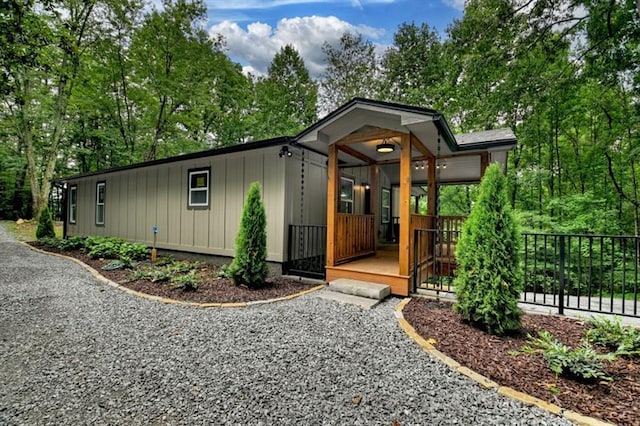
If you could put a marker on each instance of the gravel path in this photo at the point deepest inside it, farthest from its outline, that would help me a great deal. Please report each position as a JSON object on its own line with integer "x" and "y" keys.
{"x": 75, "y": 351}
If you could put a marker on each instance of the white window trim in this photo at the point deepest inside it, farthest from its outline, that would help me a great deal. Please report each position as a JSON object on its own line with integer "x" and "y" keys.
{"x": 98, "y": 203}
{"x": 205, "y": 190}
{"x": 387, "y": 207}
{"x": 73, "y": 207}
{"x": 348, "y": 200}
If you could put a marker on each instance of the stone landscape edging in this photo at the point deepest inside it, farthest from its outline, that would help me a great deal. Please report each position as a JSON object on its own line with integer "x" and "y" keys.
{"x": 167, "y": 300}
{"x": 487, "y": 383}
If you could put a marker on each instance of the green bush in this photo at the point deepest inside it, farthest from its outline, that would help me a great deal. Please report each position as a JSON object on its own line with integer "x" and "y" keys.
{"x": 109, "y": 248}
{"x": 488, "y": 281}
{"x": 129, "y": 252}
{"x": 187, "y": 282}
{"x": 583, "y": 363}
{"x": 50, "y": 242}
{"x": 72, "y": 243}
{"x": 611, "y": 333}
{"x": 45, "y": 225}
{"x": 249, "y": 266}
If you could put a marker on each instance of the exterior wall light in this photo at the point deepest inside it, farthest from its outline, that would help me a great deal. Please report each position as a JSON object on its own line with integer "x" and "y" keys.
{"x": 284, "y": 152}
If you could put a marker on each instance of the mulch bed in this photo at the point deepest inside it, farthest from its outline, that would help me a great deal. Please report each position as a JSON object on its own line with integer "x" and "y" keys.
{"x": 211, "y": 289}
{"x": 488, "y": 355}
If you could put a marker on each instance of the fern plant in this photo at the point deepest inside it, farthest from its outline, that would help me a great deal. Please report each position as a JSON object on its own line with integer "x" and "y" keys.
{"x": 611, "y": 333}
{"x": 583, "y": 363}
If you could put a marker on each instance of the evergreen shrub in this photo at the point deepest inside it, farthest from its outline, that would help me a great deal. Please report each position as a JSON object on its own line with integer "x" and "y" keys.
{"x": 488, "y": 281}
{"x": 45, "y": 225}
{"x": 249, "y": 266}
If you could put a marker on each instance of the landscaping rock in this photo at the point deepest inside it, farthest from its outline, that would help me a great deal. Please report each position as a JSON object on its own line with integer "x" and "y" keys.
{"x": 75, "y": 351}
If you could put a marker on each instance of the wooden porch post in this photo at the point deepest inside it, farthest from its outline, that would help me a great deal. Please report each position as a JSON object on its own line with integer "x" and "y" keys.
{"x": 405, "y": 204}
{"x": 332, "y": 204}
{"x": 375, "y": 204}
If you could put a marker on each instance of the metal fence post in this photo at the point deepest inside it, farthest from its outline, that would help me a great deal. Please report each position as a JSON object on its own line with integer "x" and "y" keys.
{"x": 561, "y": 276}
{"x": 415, "y": 260}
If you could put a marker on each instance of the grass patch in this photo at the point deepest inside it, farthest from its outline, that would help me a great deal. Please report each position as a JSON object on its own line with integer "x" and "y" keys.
{"x": 26, "y": 231}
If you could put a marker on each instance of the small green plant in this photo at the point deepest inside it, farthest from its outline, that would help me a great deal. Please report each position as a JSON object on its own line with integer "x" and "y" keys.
{"x": 72, "y": 243}
{"x": 225, "y": 271}
{"x": 108, "y": 249}
{"x": 582, "y": 363}
{"x": 129, "y": 252}
{"x": 249, "y": 265}
{"x": 45, "y": 225}
{"x": 182, "y": 266}
{"x": 141, "y": 274}
{"x": 187, "y": 282}
{"x": 50, "y": 242}
{"x": 612, "y": 334}
{"x": 114, "y": 264}
{"x": 160, "y": 276}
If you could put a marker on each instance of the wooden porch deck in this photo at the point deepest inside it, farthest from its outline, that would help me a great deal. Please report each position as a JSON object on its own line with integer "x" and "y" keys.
{"x": 382, "y": 268}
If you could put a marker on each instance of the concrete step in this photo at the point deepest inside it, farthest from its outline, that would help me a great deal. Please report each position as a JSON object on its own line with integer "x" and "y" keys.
{"x": 360, "y": 288}
{"x": 363, "y": 302}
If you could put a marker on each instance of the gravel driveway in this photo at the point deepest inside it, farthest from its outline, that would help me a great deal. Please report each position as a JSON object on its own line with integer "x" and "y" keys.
{"x": 75, "y": 351}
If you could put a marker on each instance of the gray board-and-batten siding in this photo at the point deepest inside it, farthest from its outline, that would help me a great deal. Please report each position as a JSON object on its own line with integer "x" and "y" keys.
{"x": 138, "y": 198}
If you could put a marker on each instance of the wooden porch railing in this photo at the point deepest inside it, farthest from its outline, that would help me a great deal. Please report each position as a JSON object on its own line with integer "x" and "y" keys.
{"x": 355, "y": 235}
{"x": 446, "y": 223}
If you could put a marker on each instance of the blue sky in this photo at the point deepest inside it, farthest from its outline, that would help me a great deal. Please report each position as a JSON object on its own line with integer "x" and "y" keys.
{"x": 256, "y": 29}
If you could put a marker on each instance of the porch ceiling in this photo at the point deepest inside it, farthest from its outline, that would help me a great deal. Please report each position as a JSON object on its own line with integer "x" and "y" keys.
{"x": 360, "y": 125}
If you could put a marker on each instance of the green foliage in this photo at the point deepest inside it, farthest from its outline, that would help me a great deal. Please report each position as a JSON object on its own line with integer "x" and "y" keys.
{"x": 45, "y": 225}
{"x": 286, "y": 99}
{"x": 582, "y": 363}
{"x": 72, "y": 243}
{"x": 114, "y": 264}
{"x": 129, "y": 252}
{"x": 352, "y": 71}
{"x": 249, "y": 266}
{"x": 115, "y": 248}
{"x": 611, "y": 333}
{"x": 187, "y": 282}
{"x": 50, "y": 242}
{"x": 107, "y": 248}
{"x": 225, "y": 271}
{"x": 488, "y": 281}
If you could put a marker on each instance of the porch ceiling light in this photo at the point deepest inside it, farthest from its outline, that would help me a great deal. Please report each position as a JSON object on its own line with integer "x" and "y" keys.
{"x": 385, "y": 147}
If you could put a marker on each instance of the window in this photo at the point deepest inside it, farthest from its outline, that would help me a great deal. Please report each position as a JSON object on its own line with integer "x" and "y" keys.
{"x": 386, "y": 205}
{"x": 100, "y": 192}
{"x": 346, "y": 195}
{"x": 198, "y": 188}
{"x": 73, "y": 203}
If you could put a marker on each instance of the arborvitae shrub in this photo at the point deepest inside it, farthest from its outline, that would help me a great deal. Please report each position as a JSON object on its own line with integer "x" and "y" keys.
{"x": 45, "y": 225}
{"x": 249, "y": 266}
{"x": 488, "y": 281}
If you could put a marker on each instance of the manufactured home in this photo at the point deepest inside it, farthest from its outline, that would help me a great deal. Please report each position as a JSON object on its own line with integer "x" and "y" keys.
{"x": 340, "y": 197}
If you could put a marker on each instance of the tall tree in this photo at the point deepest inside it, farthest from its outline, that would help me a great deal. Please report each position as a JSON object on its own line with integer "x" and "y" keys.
{"x": 286, "y": 99}
{"x": 414, "y": 70}
{"x": 352, "y": 71}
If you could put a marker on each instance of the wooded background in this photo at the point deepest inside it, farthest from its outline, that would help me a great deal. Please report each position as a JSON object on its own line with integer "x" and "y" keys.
{"x": 88, "y": 85}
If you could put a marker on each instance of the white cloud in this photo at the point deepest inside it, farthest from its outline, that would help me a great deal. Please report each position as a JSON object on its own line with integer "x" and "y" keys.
{"x": 256, "y": 45}
{"x": 456, "y": 4}
{"x": 269, "y": 4}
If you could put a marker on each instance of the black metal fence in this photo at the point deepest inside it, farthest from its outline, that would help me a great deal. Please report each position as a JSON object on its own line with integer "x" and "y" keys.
{"x": 434, "y": 263}
{"x": 596, "y": 273}
{"x": 307, "y": 248}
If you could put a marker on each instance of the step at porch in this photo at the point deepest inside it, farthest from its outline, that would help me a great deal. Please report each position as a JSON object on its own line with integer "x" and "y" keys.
{"x": 363, "y": 302}
{"x": 360, "y": 288}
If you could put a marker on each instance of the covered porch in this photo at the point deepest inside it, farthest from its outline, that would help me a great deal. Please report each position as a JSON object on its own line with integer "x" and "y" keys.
{"x": 384, "y": 161}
